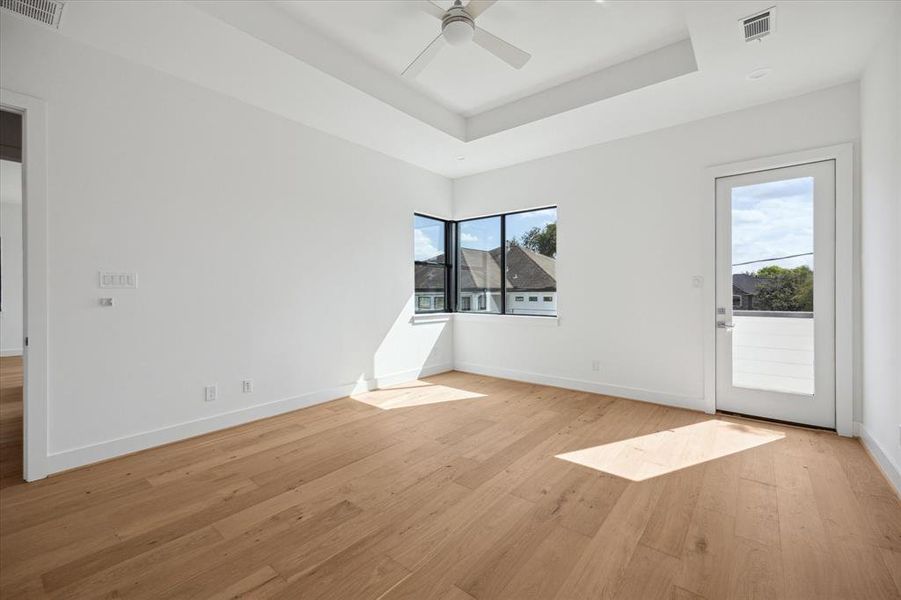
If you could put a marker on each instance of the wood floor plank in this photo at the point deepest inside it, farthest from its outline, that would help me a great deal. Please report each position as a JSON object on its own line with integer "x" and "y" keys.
{"x": 462, "y": 551}
{"x": 264, "y": 582}
{"x": 806, "y": 559}
{"x": 755, "y": 572}
{"x": 453, "y": 487}
{"x": 668, "y": 525}
{"x": 892, "y": 560}
{"x": 542, "y": 575}
{"x": 883, "y": 517}
{"x": 606, "y": 557}
{"x": 708, "y": 553}
{"x": 757, "y": 513}
{"x": 650, "y": 574}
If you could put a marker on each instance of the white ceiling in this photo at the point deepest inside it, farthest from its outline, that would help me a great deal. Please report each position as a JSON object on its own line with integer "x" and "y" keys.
{"x": 567, "y": 39}
{"x": 316, "y": 68}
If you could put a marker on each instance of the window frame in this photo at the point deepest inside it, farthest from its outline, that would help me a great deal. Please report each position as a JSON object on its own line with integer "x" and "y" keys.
{"x": 448, "y": 264}
{"x": 503, "y": 239}
{"x": 457, "y": 249}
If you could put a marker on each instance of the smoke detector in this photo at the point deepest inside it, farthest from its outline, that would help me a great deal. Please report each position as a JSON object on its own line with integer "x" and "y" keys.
{"x": 759, "y": 25}
{"x": 45, "y": 12}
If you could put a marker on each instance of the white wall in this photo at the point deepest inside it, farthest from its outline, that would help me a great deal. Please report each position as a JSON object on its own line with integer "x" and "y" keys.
{"x": 11, "y": 255}
{"x": 880, "y": 94}
{"x": 252, "y": 237}
{"x": 633, "y": 218}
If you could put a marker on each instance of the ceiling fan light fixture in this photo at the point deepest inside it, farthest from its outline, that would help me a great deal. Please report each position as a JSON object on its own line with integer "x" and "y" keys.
{"x": 458, "y": 31}
{"x": 458, "y": 28}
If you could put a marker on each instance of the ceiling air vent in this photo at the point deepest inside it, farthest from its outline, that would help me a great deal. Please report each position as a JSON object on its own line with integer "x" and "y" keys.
{"x": 47, "y": 12}
{"x": 760, "y": 25}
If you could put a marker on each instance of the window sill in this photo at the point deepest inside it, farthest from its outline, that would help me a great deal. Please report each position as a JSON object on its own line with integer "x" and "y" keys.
{"x": 432, "y": 317}
{"x": 529, "y": 320}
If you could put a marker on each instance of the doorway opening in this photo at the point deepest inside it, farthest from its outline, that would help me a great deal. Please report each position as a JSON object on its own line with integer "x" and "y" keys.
{"x": 775, "y": 294}
{"x": 12, "y": 299}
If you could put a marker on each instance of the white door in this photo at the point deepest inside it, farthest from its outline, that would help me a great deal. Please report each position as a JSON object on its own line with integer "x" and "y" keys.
{"x": 775, "y": 289}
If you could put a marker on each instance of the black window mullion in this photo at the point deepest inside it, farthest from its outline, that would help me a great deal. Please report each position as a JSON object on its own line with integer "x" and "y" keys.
{"x": 449, "y": 261}
{"x": 457, "y": 266}
{"x": 504, "y": 264}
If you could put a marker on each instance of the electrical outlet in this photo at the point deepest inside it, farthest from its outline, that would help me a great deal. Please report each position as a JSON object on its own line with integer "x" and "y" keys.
{"x": 596, "y": 365}
{"x": 247, "y": 386}
{"x": 209, "y": 393}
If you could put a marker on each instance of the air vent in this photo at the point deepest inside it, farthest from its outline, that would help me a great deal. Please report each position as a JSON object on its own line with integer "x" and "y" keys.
{"x": 47, "y": 12}
{"x": 760, "y": 25}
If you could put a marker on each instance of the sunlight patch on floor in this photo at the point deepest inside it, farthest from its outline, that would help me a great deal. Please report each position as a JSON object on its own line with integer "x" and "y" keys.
{"x": 415, "y": 393}
{"x": 663, "y": 452}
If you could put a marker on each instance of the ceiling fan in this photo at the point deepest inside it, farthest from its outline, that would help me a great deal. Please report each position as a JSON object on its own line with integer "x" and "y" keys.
{"x": 458, "y": 27}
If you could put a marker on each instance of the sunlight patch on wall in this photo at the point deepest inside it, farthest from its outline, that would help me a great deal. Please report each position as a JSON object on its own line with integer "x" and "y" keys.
{"x": 663, "y": 452}
{"x": 414, "y": 393}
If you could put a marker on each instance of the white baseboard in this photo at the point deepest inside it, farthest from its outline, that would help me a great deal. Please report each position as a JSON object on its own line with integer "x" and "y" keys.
{"x": 631, "y": 393}
{"x": 85, "y": 455}
{"x": 11, "y": 352}
{"x": 405, "y": 376}
{"x": 882, "y": 458}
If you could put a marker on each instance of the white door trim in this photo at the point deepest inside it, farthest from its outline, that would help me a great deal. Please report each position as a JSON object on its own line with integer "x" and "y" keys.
{"x": 34, "y": 203}
{"x": 845, "y": 270}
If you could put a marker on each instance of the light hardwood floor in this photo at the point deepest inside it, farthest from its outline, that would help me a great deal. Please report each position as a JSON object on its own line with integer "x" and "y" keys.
{"x": 450, "y": 488}
{"x": 10, "y": 420}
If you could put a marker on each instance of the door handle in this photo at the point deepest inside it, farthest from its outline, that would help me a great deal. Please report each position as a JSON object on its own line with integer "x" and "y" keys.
{"x": 724, "y": 325}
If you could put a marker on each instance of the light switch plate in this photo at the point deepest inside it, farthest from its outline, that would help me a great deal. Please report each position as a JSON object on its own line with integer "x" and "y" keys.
{"x": 109, "y": 279}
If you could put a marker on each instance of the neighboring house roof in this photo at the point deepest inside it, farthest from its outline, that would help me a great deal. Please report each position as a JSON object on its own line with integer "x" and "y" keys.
{"x": 529, "y": 270}
{"x": 480, "y": 270}
{"x": 743, "y": 283}
{"x": 430, "y": 279}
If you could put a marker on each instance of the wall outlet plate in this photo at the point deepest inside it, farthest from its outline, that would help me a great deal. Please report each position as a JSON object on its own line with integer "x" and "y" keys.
{"x": 247, "y": 386}
{"x": 209, "y": 393}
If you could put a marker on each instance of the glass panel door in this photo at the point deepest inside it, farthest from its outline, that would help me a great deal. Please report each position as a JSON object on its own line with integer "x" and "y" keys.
{"x": 775, "y": 294}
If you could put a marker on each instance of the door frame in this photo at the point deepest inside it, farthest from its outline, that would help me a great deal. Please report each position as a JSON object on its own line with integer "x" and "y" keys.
{"x": 846, "y": 271}
{"x": 34, "y": 233}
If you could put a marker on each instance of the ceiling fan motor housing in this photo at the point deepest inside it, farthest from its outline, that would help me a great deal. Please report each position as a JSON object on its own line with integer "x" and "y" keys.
{"x": 457, "y": 26}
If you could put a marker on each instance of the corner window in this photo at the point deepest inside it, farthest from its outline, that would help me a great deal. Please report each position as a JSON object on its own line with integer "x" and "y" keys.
{"x": 431, "y": 265}
{"x": 502, "y": 264}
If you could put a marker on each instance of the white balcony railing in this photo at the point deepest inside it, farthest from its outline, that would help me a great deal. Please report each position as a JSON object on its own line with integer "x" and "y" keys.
{"x": 773, "y": 351}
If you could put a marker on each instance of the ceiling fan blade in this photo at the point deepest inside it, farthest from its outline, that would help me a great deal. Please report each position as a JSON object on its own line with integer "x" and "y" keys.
{"x": 432, "y": 8}
{"x": 477, "y": 7}
{"x": 424, "y": 58}
{"x": 505, "y": 51}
